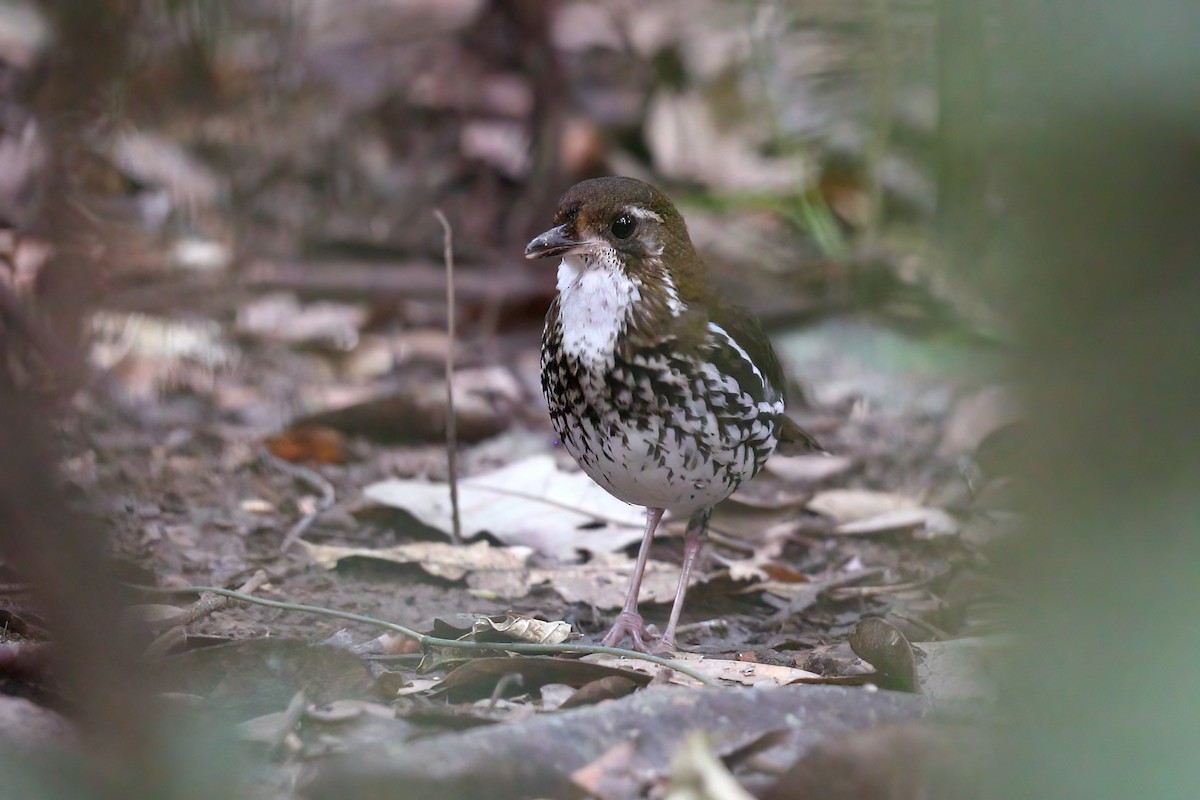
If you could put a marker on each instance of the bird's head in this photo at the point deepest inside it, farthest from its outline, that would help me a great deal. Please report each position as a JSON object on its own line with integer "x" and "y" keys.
{"x": 621, "y": 221}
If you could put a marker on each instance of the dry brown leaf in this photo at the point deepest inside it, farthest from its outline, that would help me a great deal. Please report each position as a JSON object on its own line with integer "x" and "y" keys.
{"x": 882, "y": 645}
{"x": 604, "y": 580}
{"x": 503, "y": 572}
{"x": 414, "y": 415}
{"x": 596, "y": 691}
{"x": 313, "y": 444}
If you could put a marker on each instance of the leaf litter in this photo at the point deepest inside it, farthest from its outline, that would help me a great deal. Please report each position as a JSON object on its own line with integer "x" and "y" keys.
{"x": 507, "y": 573}
{"x": 531, "y": 502}
{"x": 177, "y": 500}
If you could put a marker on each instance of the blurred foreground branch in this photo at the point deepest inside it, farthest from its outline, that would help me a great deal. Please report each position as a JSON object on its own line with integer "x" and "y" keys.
{"x": 62, "y": 554}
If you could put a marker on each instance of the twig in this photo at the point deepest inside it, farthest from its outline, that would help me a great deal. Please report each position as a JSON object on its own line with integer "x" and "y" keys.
{"x": 434, "y": 641}
{"x": 848, "y": 592}
{"x": 451, "y": 426}
{"x": 175, "y": 635}
{"x": 314, "y": 479}
{"x": 209, "y": 603}
{"x": 704, "y": 626}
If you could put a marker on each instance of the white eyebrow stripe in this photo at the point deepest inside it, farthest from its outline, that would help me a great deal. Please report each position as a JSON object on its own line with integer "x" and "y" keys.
{"x": 642, "y": 213}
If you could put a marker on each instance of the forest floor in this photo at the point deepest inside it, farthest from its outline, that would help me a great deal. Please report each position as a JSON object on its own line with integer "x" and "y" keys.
{"x": 268, "y": 411}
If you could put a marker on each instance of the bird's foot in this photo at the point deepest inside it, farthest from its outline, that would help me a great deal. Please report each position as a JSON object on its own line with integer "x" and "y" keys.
{"x": 629, "y": 623}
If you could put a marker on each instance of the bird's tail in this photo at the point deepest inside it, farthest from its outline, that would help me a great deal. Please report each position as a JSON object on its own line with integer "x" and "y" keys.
{"x": 795, "y": 441}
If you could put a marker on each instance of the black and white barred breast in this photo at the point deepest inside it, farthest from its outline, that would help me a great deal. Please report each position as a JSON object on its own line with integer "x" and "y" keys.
{"x": 662, "y": 425}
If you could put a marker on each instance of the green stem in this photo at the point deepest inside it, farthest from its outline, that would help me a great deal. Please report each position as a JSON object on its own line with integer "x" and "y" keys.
{"x": 433, "y": 641}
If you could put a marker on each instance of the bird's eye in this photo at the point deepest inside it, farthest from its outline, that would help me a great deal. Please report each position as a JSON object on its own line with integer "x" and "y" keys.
{"x": 623, "y": 226}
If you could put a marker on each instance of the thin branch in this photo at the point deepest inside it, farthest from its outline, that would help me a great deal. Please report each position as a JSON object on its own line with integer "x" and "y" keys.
{"x": 209, "y": 603}
{"x": 451, "y": 425}
{"x": 433, "y": 641}
{"x": 314, "y": 479}
{"x": 175, "y": 635}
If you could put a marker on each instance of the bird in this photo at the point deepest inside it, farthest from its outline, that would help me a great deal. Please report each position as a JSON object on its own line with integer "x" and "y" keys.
{"x": 666, "y": 394}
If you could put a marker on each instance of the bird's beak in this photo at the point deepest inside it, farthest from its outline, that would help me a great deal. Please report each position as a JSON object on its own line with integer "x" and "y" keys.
{"x": 554, "y": 242}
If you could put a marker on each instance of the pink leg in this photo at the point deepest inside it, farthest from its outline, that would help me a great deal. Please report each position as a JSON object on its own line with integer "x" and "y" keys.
{"x": 697, "y": 527}
{"x": 629, "y": 621}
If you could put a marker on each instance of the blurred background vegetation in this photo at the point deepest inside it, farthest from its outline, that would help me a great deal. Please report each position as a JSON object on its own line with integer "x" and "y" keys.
{"x": 1012, "y": 186}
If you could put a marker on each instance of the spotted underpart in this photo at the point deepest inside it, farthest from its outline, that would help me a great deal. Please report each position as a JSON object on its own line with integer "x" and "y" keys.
{"x": 660, "y": 408}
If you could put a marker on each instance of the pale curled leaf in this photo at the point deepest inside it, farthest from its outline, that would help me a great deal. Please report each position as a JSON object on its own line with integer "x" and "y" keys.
{"x": 850, "y": 505}
{"x": 526, "y": 629}
{"x": 746, "y": 570}
{"x": 530, "y": 502}
{"x": 928, "y": 522}
{"x": 746, "y": 673}
{"x": 418, "y": 685}
{"x": 808, "y": 469}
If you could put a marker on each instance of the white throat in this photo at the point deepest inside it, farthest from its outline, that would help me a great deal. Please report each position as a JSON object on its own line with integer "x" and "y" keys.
{"x": 595, "y": 298}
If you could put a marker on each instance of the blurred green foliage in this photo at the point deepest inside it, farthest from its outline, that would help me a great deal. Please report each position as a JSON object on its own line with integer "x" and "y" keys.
{"x": 1097, "y": 139}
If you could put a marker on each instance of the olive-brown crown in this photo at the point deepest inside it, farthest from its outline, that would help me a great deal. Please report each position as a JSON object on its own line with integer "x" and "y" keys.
{"x": 640, "y": 223}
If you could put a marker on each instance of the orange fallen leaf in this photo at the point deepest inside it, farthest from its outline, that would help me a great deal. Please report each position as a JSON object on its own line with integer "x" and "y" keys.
{"x": 309, "y": 444}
